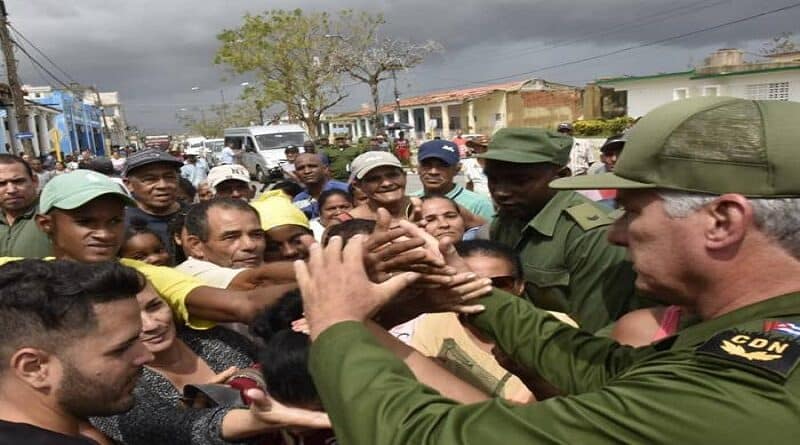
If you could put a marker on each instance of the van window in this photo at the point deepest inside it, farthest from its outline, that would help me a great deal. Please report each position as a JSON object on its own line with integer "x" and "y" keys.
{"x": 280, "y": 140}
{"x": 249, "y": 144}
{"x": 234, "y": 142}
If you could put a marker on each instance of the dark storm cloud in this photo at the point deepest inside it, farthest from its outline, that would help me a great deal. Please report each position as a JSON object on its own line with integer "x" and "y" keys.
{"x": 153, "y": 52}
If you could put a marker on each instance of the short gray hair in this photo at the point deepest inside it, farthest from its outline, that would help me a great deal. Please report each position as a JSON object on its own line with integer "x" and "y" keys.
{"x": 778, "y": 218}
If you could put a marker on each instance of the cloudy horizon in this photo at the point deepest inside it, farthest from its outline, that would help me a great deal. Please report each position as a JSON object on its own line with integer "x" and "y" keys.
{"x": 154, "y": 52}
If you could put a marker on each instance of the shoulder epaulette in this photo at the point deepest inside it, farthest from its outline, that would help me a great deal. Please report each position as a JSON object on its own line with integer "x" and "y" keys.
{"x": 773, "y": 351}
{"x": 588, "y": 216}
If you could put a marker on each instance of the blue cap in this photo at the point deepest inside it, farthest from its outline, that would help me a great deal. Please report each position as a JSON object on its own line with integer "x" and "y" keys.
{"x": 440, "y": 149}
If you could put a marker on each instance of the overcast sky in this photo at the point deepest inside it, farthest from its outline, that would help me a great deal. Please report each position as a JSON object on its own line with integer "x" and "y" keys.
{"x": 154, "y": 51}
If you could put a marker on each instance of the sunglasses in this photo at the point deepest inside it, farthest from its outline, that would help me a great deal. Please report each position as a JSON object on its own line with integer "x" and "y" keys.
{"x": 505, "y": 282}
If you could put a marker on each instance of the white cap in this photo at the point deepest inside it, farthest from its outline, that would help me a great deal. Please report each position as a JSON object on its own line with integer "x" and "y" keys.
{"x": 370, "y": 160}
{"x": 225, "y": 172}
{"x": 192, "y": 151}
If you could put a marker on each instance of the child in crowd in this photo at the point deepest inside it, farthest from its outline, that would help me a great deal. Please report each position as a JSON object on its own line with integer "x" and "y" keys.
{"x": 143, "y": 244}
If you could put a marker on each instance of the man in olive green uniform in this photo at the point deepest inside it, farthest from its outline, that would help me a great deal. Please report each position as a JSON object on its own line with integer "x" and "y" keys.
{"x": 340, "y": 157}
{"x": 19, "y": 235}
{"x": 711, "y": 188}
{"x": 569, "y": 265}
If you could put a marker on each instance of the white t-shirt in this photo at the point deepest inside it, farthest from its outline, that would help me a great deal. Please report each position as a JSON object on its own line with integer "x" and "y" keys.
{"x": 210, "y": 273}
{"x": 473, "y": 172}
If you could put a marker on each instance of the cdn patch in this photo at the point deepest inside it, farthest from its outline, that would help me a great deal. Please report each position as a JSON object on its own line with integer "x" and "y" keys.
{"x": 775, "y": 354}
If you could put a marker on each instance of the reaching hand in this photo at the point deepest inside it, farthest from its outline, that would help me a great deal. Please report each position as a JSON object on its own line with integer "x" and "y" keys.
{"x": 273, "y": 413}
{"x": 336, "y": 288}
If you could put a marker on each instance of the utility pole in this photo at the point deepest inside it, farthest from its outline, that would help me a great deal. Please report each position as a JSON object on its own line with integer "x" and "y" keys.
{"x": 18, "y": 98}
{"x": 103, "y": 125}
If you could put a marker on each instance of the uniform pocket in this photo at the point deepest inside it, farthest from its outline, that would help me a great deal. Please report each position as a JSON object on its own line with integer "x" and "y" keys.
{"x": 548, "y": 288}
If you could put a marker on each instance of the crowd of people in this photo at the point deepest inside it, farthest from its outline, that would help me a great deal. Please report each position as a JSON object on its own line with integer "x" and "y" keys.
{"x": 650, "y": 296}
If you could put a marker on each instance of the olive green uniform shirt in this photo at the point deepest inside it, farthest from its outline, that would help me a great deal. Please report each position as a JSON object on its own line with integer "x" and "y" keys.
{"x": 728, "y": 381}
{"x": 23, "y": 238}
{"x": 568, "y": 263}
{"x": 340, "y": 160}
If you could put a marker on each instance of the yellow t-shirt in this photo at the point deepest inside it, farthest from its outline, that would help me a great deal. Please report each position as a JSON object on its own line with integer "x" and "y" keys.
{"x": 172, "y": 285}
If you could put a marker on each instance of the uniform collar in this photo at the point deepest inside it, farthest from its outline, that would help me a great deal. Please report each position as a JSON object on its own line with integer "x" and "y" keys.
{"x": 778, "y": 307}
{"x": 29, "y": 214}
{"x": 545, "y": 221}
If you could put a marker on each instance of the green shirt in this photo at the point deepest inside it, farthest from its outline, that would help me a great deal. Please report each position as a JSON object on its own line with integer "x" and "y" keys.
{"x": 474, "y": 202}
{"x": 23, "y": 238}
{"x": 340, "y": 161}
{"x": 712, "y": 383}
{"x": 568, "y": 263}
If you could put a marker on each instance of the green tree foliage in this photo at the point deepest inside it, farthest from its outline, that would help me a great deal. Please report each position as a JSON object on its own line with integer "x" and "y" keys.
{"x": 290, "y": 56}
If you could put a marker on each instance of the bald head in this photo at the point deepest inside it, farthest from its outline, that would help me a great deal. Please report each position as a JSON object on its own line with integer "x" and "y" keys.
{"x": 310, "y": 169}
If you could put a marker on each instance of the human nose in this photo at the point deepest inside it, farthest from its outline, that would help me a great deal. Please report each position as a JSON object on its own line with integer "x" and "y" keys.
{"x": 148, "y": 323}
{"x": 288, "y": 250}
{"x": 248, "y": 244}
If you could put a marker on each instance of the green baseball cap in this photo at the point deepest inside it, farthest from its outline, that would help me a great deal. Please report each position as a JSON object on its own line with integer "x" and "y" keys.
{"x": 529, "y": 146}
{"x": 711, "y": 145}
{"x": 74, "y": 189}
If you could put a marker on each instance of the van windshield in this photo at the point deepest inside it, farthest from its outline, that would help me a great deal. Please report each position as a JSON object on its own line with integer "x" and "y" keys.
{"x": 280, "y": 140}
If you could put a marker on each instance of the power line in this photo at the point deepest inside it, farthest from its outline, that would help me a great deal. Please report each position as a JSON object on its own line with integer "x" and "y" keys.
{"x": 37, "y": 63}
{"x": 18, "y": 33}
{"x": 642, "y": 45}
{"x": 634, "y": 24}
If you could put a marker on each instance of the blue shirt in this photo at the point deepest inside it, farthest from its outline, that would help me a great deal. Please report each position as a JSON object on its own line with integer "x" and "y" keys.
{"x": 305, "y": 202}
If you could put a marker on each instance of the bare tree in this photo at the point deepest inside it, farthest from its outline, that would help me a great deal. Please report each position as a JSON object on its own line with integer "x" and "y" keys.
{"x": 370, "y": 58}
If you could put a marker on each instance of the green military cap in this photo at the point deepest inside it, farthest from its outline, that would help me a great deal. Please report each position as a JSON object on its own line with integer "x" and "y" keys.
{"x": 529, "y": 146}
{"x": 711, "y": 145}
{"x": 74, "y": 189}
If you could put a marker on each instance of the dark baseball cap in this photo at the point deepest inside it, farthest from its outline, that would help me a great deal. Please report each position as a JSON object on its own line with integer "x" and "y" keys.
{"x": 614, "y": 143}
{"x": 711, "y": 145}
{"x": 529, "y": 146}
{"x": 439, "y": 149}
{"x": 150, "y": 156}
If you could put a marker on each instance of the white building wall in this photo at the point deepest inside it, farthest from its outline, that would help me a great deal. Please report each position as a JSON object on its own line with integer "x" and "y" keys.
{"x": 646, "y": 94}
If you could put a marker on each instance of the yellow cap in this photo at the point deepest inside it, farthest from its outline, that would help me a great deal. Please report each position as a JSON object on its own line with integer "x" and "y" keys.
{"x": 275, "y": 209}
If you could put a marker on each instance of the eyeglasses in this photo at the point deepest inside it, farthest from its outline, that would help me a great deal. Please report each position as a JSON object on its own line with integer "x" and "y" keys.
{"x": 505, "y": 282}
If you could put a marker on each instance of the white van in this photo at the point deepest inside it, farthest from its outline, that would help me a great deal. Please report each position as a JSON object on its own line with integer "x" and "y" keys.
{"x": 195, "y": 144}
{"x": 213, "y": 151}
{"x": 262, "y": 147}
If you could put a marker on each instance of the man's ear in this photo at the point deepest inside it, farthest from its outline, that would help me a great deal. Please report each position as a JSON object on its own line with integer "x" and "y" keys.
{"x": 729, "y": 217}
{"x": 45, "y": 223}
{"x": 193, "y": 247}
{"x": 35, "y": 367}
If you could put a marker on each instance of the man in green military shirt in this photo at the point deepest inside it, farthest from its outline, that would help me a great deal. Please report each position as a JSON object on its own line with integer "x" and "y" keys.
{"x": 569, "y": 265}
{"x": 711, "y": 188}
{"x": 340, "y": 157}
{"x": 19, "y": 235}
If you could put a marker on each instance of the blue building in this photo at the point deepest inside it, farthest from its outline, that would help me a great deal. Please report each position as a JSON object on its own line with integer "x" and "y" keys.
{"x": 79, "y": 124}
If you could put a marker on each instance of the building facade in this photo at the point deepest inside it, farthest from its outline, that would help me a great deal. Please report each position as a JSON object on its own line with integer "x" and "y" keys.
{"x": 78, "y": 126}
{"x": 724, "y": 73}
{"x": 528, "y": 103}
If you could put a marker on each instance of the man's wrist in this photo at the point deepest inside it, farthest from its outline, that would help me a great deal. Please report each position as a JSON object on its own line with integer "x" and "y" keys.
{"x": 317, "y": 327}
